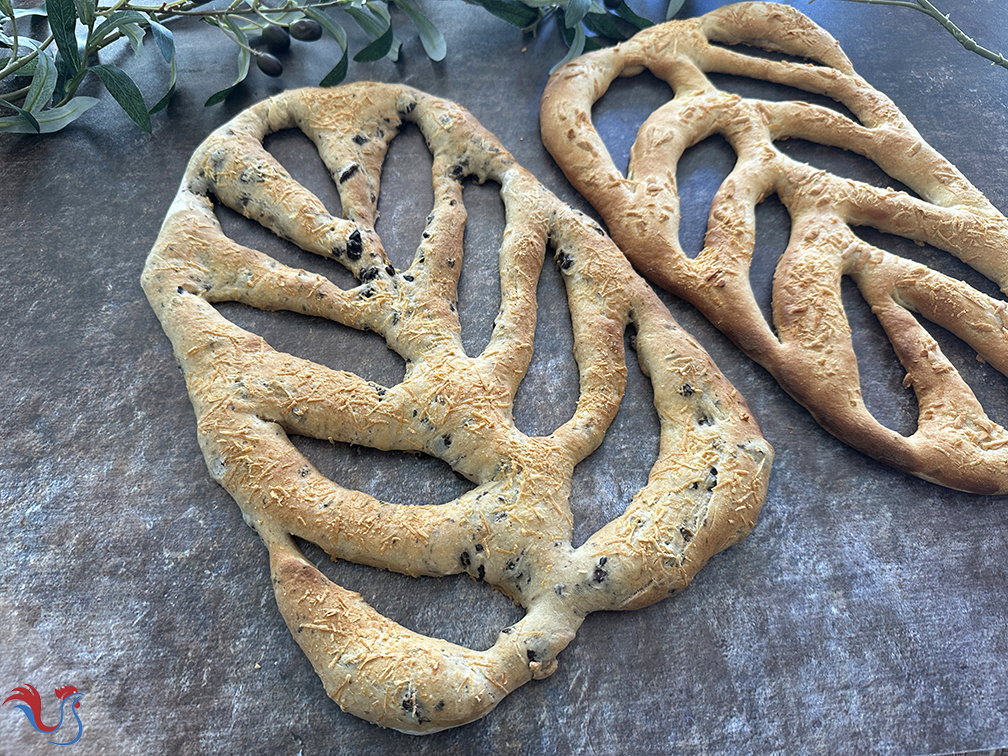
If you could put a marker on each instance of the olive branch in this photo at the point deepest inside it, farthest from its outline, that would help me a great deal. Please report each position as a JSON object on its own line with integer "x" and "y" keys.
{"x": 926, "y": 7}
{"x": 40, "y": 77}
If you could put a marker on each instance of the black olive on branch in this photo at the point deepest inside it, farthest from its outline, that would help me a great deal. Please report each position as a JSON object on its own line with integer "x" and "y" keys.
{"x": 277, "y": 39}
{"x": 269, "y": 64}
{"x": 306, "y": 30}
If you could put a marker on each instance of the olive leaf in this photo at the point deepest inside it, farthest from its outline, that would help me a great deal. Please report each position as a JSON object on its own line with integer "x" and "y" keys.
{"x": 576, "y": 48}
{"x": 50, "y": 120}
{"x": 377, "y": 49}
{"x": 43, "y": 84}
{"x": 604, "y": 25}
{"x": 63, "y": 22}
{"x": 85, "y": 11}
{"x": 23, "y": 117}
{"x": 244, "y": 61}
{"x": 513, "y": 12}
{"x": 339, "y": 71}
{"x": 375, "y": 21}
{"x": 165, "y": 42}
{"x": 576, "y": 10}
{"x": 431, "y": 39}
{"x": 6, "y": 8}
{"x": 125, "y": 92}
{"x": 626, "y": 13}
{"x": 38, "y": 10}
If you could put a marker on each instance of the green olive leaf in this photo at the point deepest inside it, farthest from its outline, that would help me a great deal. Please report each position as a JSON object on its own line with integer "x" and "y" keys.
{"x": 377, "y": 49}
{"x": 624, "y": 11}
{"x": 375, "y": 20}
{"x": 244, "y": 61}
{"x": 125, "y": 92}
{"x": 50, "y": 120}
{"x": 6, "y": 8}
{"x": 25, "y": 118}
{"x": 576, "y": 48}
{"x": 366, "y": 20}
{"x": 43, "y": 83}
{"x": 604, "y": 25}
{"x": 338, "y": 73}
{"x": 576, "y": 10}
{"x": 85, "y": 11}
{"x": 166, "y": 44}
{"x": 136, "y": 35}
{"x": 164, "y": 40}
{"x": 38, "y": 10}
{"x": 62, "y": 22}
{"x": 514, "y": 13}
{"x": 432, "y": 40}
{"x": 117, "y": 20}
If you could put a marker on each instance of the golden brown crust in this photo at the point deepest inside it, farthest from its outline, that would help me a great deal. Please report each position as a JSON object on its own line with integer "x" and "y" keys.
{"x": 809, "y": 349}
{"x": 514, "y": 528}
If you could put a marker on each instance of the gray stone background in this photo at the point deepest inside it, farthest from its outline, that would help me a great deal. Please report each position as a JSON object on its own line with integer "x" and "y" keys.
{"x": 865, "y": 613}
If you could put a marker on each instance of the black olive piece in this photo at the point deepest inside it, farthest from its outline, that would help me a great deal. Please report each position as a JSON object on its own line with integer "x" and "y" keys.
{"x": 306, "y": 30}
{"x": 349, "y": 172}
{"x": 269, "y": 65}
{"x": 355, "y": 246}
{"x": 277, "y": 40}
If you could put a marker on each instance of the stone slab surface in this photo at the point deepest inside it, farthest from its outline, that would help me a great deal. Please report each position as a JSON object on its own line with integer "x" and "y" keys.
{"x": 865, "y": 613}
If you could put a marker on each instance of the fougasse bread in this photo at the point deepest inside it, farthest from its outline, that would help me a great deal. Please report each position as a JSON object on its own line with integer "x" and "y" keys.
{"x": 513, "y": 529}
{"x": 808, "y": 348}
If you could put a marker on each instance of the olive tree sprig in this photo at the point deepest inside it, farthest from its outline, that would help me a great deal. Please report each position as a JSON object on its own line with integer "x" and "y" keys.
{"x": 80, "y": 29}
{"x": 926, "y": 7}
{"x": 57, "y": 65}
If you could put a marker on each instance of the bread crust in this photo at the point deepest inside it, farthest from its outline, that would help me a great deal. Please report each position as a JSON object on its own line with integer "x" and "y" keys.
{"x": 514, "y": 528}
{"x": 808, "y": 348}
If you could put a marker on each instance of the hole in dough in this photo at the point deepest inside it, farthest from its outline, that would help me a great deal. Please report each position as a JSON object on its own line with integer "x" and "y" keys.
{"x": 879, "y": 369}
{"x": 605, "y": 483}
{"x": 619, "y": 113}
{"x": 700, "y": 172}
{"x": 773, "y": 230}
{"x": 321, "y": 341}
{"x": 406, "y": 196}
{"x": 758, "y": 89}
{"x": 457, "y": 609}
{"x": 840, "y": 162}
{"x": 547, "y": 397}
{"x": 392, "y": 476}
{"x": 479, "y": 295}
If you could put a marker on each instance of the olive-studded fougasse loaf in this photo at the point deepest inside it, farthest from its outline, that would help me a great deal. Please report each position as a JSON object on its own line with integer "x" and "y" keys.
{"x": 809, "y": 348}
{"x": 513, "y": 529}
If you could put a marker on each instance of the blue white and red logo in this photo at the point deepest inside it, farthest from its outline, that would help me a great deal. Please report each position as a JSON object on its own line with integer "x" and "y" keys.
{"x": 31, "y": 705}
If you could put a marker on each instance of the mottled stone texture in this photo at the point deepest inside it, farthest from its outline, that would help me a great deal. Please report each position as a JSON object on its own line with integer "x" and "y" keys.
{"x": 865, "y": 613}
